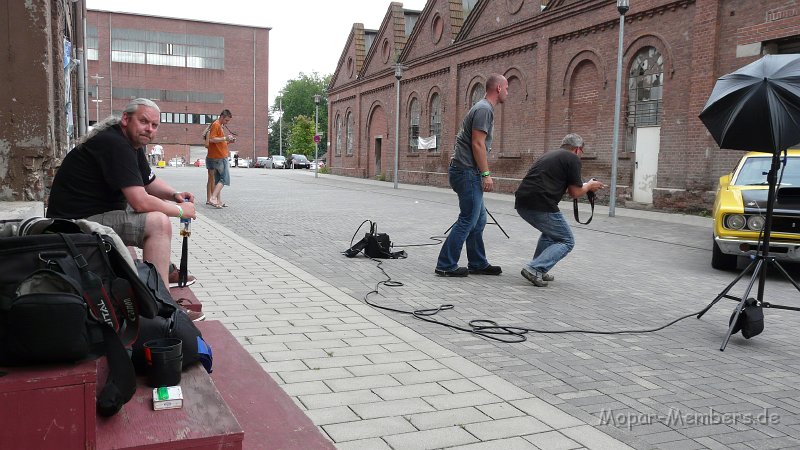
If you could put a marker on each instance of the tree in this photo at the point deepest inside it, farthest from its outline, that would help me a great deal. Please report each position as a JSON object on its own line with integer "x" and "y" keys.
{"x": 298, "y": 99}
{"x": 301, "y": 137}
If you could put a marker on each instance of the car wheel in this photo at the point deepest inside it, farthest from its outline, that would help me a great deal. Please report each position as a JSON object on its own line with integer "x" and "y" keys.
{"x": 722, "y": 261}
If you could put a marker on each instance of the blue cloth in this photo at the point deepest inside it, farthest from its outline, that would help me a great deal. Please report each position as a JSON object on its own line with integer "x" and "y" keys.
{"x": 466, "y": 182}
{"x": 555, "y": 242}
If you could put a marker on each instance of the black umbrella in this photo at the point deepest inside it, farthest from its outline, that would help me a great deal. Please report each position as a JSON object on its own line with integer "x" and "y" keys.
{"x": 757, "y": 107}
{"x": 185, "y": 232}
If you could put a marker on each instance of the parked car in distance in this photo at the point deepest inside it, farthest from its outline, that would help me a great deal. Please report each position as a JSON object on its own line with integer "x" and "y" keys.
{"x": 244, "y": 162}
{"x": 176, "y": 162}
{"x": 261, "y": 161}
{"x": 276, "y": 162}
{"x": 313, "y": 165}
{"x": 740, "y": 210}
{"x": 297, "y": 161}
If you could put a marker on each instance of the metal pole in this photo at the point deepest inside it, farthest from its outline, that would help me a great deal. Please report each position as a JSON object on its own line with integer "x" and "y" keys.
{"x": 280, "y": 127}
{"x": 316, "y": 136}
{"x": 615, "y": 142}
{"x": 96, "y": 77}
{"x": 398, "y": 73}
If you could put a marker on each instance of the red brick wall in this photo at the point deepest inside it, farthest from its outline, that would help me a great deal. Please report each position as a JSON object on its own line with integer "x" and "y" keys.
{"x": 243, "y": 82}
{"x": 562, "y": 70}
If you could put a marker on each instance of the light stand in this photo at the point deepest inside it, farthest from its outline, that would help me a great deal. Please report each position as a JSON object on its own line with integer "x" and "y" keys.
{"x": 622, "y": 7}
{"x": 759, "y": 264}
{"x": 494, "y": 222}
{"x": 280, "y": 126}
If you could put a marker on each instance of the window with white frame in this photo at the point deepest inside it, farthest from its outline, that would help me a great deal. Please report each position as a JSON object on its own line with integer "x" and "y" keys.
{"x": 349, "y": 133}
{"x": 338, "y": 135}
{"x": 413, "y": 124}
{"x": 436, "y": 119}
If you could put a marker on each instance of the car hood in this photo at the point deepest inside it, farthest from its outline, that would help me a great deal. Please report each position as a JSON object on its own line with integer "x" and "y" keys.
{"x": 787, "y": 202}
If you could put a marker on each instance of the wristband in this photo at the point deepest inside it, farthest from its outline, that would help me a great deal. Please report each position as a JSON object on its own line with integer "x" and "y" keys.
{"x": 486, "y": 174}
{"x": 180, "y": 212}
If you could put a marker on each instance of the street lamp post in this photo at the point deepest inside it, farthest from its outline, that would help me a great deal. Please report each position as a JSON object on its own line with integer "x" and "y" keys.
{"x": 622, "y": 7}
{"x": 280, "y": 126}
{"x": 316, "y": 135}
{"x": 398, "y": 73}
{"x": 96, "y": 77}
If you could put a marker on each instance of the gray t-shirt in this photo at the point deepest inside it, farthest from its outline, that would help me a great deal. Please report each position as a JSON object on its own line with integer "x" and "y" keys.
{"x": 480, "y": 117}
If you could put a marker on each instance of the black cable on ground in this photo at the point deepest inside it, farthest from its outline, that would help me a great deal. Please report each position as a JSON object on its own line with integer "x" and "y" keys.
{"x": 489, "y": 328}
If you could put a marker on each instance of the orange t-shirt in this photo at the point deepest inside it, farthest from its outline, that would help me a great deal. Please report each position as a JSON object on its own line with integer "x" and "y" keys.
{"x": 217, "y": 149}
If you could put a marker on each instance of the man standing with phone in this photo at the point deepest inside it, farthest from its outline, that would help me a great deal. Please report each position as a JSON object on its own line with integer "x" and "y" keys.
{"x": 217, "y": 160}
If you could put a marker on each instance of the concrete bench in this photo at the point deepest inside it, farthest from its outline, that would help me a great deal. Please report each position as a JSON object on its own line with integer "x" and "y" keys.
{"x": 269, "y": 417}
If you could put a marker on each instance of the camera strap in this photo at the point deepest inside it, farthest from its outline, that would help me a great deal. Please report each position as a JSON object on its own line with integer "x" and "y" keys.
{"x": 590, "y": 196}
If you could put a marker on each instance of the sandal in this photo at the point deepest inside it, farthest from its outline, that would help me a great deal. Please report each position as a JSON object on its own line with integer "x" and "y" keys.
{"x": 224, "y": 205}
{"x": 174, "y": 274}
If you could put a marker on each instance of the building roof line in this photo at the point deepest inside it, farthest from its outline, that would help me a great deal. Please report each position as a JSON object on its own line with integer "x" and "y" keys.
{"x": 179, "y": 18}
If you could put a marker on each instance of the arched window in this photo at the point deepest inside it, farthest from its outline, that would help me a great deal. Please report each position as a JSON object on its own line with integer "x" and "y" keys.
{"x": 478, "y": 92}
{"x": 436, "y": 119}
{"x": 338, "y": 135}
{"x": 349, "y": 133}
{"x": 413, "y": 125}
{"x": 645, "y": 89}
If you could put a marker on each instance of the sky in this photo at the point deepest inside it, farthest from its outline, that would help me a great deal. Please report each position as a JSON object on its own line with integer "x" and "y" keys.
{"x": 307, "y": 35}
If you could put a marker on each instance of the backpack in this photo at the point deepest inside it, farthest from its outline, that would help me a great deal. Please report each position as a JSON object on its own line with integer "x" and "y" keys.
{"x": 170, "y": 322}
{"x": 205, "y": 135}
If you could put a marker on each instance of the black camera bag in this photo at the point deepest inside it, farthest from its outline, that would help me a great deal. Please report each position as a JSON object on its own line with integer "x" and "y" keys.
{"x": 170, "y": 322}
{"x": 41, "y": 323}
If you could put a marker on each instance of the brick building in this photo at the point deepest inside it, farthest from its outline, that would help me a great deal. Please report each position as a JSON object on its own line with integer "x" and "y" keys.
{"x": 560, "y": 57}
{"x": 191, "y": 69}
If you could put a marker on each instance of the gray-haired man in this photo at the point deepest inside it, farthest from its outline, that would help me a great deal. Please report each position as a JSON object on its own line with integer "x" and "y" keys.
{"x": 107, "y": 172}
{"x": 537, "y": 200}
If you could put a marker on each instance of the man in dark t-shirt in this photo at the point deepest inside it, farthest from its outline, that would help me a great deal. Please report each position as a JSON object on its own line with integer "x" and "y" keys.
{"x": 536, "y": 201}
{"x": 101, "y": 177}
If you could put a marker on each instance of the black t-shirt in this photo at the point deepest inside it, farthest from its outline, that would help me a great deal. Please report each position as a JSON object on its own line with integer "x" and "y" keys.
{"x": 547, "y": 181}
{"x": 92, "y": 176}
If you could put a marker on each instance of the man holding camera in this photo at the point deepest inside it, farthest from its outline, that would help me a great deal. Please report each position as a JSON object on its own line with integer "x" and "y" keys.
{"x": 537, "y": 202}
{"x": 217, "y": 159}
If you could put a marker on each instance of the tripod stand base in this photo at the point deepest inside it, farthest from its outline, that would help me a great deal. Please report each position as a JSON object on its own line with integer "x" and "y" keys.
{"x": 759, "y": 265}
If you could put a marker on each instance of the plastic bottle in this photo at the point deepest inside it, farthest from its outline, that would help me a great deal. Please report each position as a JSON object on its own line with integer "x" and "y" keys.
{"x": 186, "y": 225}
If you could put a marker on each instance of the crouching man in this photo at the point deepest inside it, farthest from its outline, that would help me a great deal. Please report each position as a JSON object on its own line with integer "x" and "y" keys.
{"x": 536, "y": 201}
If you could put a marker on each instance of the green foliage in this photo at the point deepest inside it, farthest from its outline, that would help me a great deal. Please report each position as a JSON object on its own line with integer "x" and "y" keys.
{"x": 298, "y": 99}
{"x": 325, "y": 169}
{"x": 301, "y": 136}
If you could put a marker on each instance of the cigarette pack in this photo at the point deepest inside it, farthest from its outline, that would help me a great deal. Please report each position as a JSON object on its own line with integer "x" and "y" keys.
{"x": 167, "y": 398}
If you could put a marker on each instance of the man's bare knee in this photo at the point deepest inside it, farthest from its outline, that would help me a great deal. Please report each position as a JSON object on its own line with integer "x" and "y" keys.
{"x": 157, "y": 225}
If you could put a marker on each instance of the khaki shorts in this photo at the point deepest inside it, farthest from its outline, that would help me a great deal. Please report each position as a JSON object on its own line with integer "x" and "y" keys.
{"x": 129, "y": 225}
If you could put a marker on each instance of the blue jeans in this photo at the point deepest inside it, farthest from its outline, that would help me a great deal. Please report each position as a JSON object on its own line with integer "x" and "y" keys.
{"x": 555, "y": 242}
{"x": 470, "y": 224}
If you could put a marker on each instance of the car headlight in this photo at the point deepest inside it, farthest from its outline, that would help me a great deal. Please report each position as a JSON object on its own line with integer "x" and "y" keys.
{"x": 755, "y": 223}
{"x": 735, "y": 221}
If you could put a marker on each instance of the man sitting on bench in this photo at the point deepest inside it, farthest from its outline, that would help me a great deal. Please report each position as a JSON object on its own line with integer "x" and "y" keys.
{"x": 106, "y": 179}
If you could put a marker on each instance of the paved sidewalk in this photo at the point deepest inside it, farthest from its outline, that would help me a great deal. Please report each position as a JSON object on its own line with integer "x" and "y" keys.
{"x": 671, "y": 388}
{"x": 367, "y": 381}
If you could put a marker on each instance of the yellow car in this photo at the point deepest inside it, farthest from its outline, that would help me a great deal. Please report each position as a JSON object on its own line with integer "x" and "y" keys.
{"x": 740, "y": 210}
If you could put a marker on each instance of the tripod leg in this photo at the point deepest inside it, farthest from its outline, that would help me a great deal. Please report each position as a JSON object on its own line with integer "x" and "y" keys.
{"x": 760, "y": 266}
{"x": 730, "y": 286}
{"x": 497, "y": 223}
{"x": 785, "y": 273}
